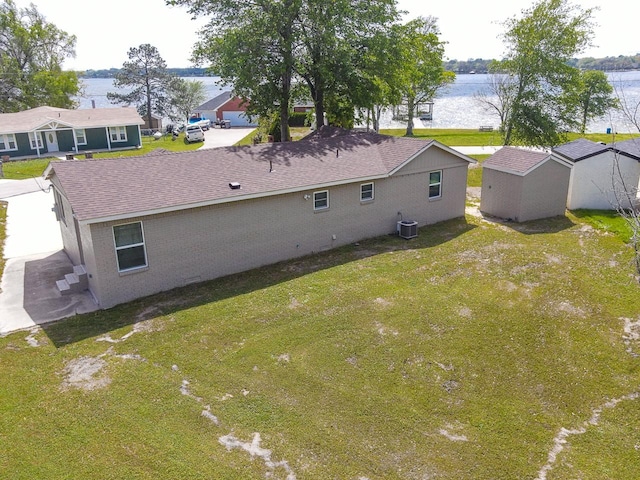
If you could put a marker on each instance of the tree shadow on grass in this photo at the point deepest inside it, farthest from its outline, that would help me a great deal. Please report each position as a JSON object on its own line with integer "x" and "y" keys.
{"x": 81, "y": 327}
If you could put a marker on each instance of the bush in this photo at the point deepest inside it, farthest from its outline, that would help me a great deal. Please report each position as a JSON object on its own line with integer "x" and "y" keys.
{"x": 298, "y": 119}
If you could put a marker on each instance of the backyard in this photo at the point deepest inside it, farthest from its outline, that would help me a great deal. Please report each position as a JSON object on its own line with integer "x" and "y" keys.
{"x": 478, "y": 350}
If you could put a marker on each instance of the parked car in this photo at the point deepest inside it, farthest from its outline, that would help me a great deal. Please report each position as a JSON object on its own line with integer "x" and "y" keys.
{"x": 194, "y": 133}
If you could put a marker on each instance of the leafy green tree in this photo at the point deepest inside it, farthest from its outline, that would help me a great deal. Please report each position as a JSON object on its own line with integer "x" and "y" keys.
{"x": 250, "y": 44}
{"x": 144, "y": 80}
{"x": 422, "y": 73}
{"x": 539, "y": 47}
{"x": 334, "y": 37}
{"x": 32, "y": 51}
{"x": 184, "y": 97}
{"x": 593, "y": 96}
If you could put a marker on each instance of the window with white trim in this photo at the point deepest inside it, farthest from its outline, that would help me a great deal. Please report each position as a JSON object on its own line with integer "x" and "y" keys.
{"x": 81, "y": 137}
{"x": 36, "y": 140}
{"x": 118, "y": 134}
{"x": 130, "y": 248}
{"x": 435, "y": 184}
{"x": 8, "y": 142}
{"x": 366, "y": 192}
{"x": 321, "y": 200}
{"x": 59, "y": 207}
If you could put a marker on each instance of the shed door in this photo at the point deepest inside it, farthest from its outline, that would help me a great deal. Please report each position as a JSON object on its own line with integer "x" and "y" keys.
{"x": 52, "y": 141}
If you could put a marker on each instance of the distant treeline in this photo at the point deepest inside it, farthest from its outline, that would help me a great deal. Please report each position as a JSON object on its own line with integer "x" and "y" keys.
{"x": 180, "y": 72}
{"x": 618, "y": 63}
{"x": 478, "y": 65}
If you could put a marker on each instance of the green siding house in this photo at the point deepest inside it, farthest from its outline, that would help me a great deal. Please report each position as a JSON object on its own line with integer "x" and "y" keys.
{"x": 48, "y": 131}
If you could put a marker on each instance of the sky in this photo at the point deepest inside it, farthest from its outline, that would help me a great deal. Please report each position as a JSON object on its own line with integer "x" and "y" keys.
{"x": 105, "y": 31}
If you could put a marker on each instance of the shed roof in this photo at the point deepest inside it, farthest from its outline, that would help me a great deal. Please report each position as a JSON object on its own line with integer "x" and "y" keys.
{"x": 31, "y": 120}
{"x": 216, "y": 102}
{"x": 117, "y": 188}
{"x": 519, "y": 161}
{"x": 580, "y": 149}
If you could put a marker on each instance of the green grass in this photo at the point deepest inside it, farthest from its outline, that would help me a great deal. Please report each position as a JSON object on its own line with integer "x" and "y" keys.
{"x": 23, "y": 169}
{"x": 457, "y": 355}
{"x": 473, "y": 137}
{"x": 474, "y": 175}
{"x": 608, "y": 221}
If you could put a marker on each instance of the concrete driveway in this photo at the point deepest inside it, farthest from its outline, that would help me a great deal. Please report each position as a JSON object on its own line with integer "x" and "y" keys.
{"x": 224, "y": 137}
{"x": 34, "y": 260}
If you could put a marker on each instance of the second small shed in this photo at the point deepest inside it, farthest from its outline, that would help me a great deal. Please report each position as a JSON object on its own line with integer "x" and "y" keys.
{"x": 522, "y": 185}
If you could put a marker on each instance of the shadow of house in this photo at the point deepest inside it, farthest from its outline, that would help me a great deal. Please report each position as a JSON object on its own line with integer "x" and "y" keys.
{"x": 42, "y": 300}
{"x": 81, "y": 327}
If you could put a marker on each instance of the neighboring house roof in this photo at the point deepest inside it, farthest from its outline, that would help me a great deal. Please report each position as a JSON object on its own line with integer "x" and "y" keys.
{"x": 519, "y": 161}
{"x": 30, "y": 120}
{"x": 118, "y": 188}
{"x": 216, "y": 102}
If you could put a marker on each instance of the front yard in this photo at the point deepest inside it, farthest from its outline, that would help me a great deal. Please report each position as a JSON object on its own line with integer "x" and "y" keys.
{"x": 478, "y": 350}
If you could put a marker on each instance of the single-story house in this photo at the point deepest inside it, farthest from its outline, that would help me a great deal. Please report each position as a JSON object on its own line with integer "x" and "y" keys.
{"x": 156, "y": 122}
{"x": 523, "y": 185}
{"x": 44, "y": 131}
{"x": 226, "y": 106}
{"x": 141, "y": 225}
{"x": 601, "y": 172}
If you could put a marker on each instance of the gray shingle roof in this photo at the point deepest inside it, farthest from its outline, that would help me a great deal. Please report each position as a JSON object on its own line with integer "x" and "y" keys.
{"x": 120, "y": 187}
{"x": 30, "y": 120}
{"x": 580, "y": 149}
{"x": 215, "y": 102}
{"x": 515, "y": 160}
{"x": 629, "y": 147}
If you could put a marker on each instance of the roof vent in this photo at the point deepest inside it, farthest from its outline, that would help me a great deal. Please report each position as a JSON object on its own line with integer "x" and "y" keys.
{"x": 234, "y": 185}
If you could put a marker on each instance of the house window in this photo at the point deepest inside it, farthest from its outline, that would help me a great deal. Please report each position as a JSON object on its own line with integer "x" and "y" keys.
{"x": 81, "y": 137}
{"x": 59, "y": 207}
{"x": 435, "y": 184}
{"x": 321, "y": 200}
{"x": 8, "y": 142}
{"x": 118, "y": 134}
{"x": 36, "y": 140}
{"x": 130, "y": 248}
{"x": 366, "y": 192}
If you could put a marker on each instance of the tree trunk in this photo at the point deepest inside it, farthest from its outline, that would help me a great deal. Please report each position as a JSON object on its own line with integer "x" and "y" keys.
{"x": 410, "y": 107}
{"x": 319, "y": 105}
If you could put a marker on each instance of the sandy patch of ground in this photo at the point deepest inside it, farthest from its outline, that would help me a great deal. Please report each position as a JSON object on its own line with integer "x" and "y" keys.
{"x": 85, "y": 373}
{"x": 255, "y": 450}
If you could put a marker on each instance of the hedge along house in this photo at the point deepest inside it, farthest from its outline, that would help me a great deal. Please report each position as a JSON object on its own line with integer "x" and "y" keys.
{"x": 141, "y": 225}
{"x": 601, "y": 173}
{"x": 50, "y": 131}
{"x": 522, "y": 185}
{"x": 226, "y": 106}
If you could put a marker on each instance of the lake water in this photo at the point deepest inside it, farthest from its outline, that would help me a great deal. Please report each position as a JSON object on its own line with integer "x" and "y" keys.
{"x": 455, "y": 108}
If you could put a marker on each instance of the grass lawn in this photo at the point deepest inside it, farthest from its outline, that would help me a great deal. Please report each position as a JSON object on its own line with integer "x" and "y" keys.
{"x": 22, "y": 169}
{"x": 461, "y": 354}
{"x": 475, "y": 138}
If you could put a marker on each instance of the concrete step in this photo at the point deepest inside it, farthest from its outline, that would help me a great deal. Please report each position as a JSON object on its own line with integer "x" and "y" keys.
{"x": 81, "y": 272}
{"x": 64, "y": 287}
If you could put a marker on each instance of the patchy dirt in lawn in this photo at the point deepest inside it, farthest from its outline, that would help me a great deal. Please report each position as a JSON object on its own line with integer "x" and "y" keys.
{"x": 255, "y": 450}
{"x": 32, "y": 340}
{"x": 631, "y": 336}
{"x": 560, "y": 441}
{"x": 449, "y": 433}
{"x": 85, "y": 373}
{"x": 141, "y": 326}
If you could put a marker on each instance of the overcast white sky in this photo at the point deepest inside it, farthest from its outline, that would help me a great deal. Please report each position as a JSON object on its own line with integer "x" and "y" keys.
{"x": 106, "y": 30}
